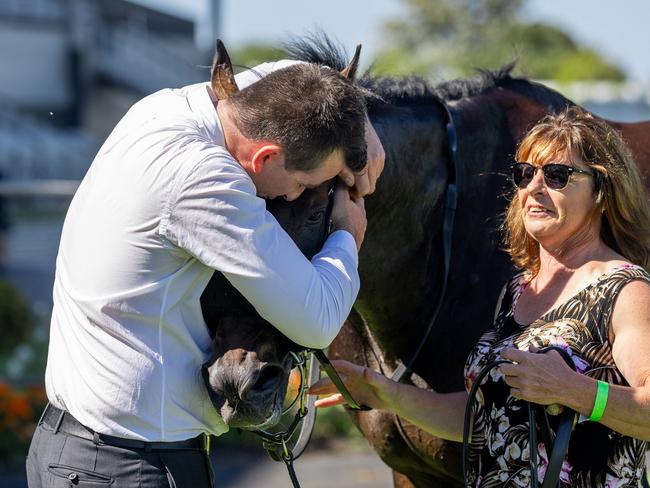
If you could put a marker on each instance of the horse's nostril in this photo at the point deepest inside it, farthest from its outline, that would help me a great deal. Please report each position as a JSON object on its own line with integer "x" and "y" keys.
{"x": 269, "y": 379}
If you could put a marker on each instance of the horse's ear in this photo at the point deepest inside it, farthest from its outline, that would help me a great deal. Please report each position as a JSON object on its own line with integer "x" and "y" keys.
{"x": 351, "y": 69}
{"x": 222, "y": 76}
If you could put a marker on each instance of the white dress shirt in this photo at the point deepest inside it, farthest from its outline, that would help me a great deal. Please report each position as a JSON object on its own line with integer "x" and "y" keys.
{"x": 163, "y": 205}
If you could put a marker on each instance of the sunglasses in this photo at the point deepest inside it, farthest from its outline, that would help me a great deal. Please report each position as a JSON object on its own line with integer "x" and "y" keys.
{"x": 556, "y": 175}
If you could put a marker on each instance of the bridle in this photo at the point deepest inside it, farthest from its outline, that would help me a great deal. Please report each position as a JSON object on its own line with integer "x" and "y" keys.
{"x": 280, "y": 445}
{"x": 277, "y": 444}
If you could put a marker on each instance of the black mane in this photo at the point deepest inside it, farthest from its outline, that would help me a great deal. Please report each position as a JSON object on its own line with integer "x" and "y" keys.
{"x": 320, "y": 49}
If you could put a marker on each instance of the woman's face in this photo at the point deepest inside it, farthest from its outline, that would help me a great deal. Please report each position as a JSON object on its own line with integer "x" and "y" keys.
{"x": 552, "y": 217}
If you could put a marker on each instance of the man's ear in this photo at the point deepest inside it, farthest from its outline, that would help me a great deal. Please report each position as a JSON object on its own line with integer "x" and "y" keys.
{"x": 266, "y": 153}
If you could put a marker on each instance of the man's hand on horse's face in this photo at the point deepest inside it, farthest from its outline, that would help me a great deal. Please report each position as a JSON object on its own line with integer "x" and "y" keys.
{"x": 364, "y": 182}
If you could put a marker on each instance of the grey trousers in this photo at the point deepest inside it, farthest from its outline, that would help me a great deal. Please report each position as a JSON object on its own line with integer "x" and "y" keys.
{"x": 57, "y": 459}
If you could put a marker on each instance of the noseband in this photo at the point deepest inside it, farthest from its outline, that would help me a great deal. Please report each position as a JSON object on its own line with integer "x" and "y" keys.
{"x": 278, "y": 445}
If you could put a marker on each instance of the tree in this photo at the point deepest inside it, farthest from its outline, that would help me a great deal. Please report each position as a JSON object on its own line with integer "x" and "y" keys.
{"x": 447, "y": 38}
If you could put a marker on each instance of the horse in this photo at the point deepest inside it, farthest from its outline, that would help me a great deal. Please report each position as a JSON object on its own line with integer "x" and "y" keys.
{"x": 401, "y": 260}
{"x": 490, "y": 113}
{"x": 248, "y": 371}
{"x": 249, "y": 368}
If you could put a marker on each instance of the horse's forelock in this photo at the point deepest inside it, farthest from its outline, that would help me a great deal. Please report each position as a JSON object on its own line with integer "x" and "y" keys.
{"x": 318, "y": 48}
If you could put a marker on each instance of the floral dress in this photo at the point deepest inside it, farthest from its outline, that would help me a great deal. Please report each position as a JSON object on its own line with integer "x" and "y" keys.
{"x": 597, "y": 455}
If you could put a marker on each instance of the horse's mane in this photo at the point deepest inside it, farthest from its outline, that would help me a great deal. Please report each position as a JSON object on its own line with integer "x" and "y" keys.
{"x": 321, "y": 49}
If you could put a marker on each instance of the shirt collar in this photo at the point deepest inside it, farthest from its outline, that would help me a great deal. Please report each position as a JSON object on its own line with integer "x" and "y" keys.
{"x": 205, "y": 112}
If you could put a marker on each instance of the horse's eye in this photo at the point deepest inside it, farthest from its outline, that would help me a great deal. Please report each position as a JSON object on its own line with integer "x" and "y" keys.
{"x": 316, "y": 217}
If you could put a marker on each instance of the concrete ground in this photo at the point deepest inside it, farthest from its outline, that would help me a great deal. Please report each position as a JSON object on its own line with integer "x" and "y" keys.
{"x": 339, "y": 467}
{"x": 252, "y": 468}
{"x": 342, "y": 468}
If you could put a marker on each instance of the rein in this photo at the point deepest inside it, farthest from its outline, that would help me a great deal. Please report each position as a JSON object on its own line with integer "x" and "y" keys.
{"x": 556, "y": 448}
{"x": 451, "y": 201}
{"x": 277, "y": 445}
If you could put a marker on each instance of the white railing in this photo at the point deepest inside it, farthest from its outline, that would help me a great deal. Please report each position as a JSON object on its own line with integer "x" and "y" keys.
{"x": 147, "y": 63}
{"x": 33, "y": 9}
{"x": 37, "y": 188}
{"x": 30, "y": 150}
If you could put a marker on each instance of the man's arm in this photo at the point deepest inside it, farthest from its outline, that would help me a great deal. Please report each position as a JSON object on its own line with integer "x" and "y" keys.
{"x": 216, "y": 217}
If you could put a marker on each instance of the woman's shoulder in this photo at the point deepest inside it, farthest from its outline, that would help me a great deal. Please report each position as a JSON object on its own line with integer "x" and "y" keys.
{"x": 621, "y": 271}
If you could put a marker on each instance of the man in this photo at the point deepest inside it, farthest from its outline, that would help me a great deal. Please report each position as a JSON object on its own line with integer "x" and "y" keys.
{"x": 172, "y": 195}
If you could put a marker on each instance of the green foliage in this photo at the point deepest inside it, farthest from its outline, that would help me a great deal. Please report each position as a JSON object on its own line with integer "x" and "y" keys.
{"x": 334, "y": 423}
{"x": 253, "y": 54}
{"x": 446, "y": 38}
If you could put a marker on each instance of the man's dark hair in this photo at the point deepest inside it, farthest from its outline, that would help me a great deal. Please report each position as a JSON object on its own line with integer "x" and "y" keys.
{"x": 309, "y": 110}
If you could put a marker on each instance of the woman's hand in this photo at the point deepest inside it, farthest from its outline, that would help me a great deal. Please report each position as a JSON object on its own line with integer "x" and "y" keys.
{"x": 365, "y": 385}
{"x": 538, "y": 378}
{"x": 364, "y": 182}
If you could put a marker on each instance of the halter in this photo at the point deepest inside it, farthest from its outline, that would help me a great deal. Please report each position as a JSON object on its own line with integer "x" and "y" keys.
{"x": 277, "y": 445}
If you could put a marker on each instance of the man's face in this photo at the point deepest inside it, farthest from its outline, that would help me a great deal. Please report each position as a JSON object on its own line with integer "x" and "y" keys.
{"x": 276, "y": 181}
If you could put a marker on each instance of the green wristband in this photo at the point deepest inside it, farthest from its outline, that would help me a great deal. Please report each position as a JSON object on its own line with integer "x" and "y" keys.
{"x": 601, "y": 401}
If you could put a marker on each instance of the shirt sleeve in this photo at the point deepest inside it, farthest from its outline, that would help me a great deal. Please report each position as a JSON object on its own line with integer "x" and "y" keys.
{"x": 217, "y": 218}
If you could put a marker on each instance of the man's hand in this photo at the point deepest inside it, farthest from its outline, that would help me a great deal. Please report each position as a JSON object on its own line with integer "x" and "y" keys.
{"x": 364, "y": 182}
{"x": 349, "y": 213}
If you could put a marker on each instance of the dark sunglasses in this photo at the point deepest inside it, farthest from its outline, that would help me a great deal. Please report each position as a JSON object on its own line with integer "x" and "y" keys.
{"x": 556, "y": 175}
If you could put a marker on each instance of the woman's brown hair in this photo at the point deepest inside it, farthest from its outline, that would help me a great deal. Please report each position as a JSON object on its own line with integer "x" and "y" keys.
{"x": 618, "y": 191}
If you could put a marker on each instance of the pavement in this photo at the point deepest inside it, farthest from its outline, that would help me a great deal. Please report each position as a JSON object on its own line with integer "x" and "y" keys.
{"x": 342, "y": 468}
{"x": 236, "y": 467}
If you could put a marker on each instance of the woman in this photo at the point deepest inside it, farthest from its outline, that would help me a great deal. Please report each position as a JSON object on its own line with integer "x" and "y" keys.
{"x": 578, "y": 227}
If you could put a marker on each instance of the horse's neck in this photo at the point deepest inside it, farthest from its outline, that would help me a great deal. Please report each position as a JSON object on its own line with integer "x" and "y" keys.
{"x": 403, "y": 220}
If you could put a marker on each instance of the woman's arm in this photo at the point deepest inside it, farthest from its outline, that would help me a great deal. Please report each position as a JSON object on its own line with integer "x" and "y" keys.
{"x": 546, "y": 379}
{"x": 628, "y": 408}
{"x": 440, "y": 414}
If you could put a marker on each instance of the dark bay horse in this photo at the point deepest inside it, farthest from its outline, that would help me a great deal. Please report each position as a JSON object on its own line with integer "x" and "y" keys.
{"x": 401, "y": 258}
{"x": 491, "y": 113}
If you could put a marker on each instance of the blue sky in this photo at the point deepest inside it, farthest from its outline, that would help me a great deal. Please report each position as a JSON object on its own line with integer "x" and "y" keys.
{"x": 620, "y": 30}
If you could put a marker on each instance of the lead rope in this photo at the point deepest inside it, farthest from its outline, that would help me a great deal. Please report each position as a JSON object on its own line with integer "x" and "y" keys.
{"x": 556, "y": 449}
{"x": 451, "y": 202}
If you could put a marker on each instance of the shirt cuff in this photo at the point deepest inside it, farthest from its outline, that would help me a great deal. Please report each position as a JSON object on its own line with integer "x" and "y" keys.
{"x": 343, "y": 240}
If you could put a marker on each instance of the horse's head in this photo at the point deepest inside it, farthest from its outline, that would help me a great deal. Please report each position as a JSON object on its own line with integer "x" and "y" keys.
{"x": 251, "y": 360}
{"x": 248, "y": 372}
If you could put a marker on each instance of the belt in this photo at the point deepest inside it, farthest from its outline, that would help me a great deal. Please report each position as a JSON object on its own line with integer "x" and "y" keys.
{"x": 62, "y": 421}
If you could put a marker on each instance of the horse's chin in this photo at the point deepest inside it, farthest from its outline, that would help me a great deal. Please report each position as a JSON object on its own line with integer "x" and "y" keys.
{"x": 247, "y": 417}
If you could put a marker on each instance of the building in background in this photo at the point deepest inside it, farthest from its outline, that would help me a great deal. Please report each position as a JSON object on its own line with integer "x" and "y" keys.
{"x": 71, "y": 68}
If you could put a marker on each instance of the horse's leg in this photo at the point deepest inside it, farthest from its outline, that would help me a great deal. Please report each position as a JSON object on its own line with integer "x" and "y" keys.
{"x": 425, "y": 467}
